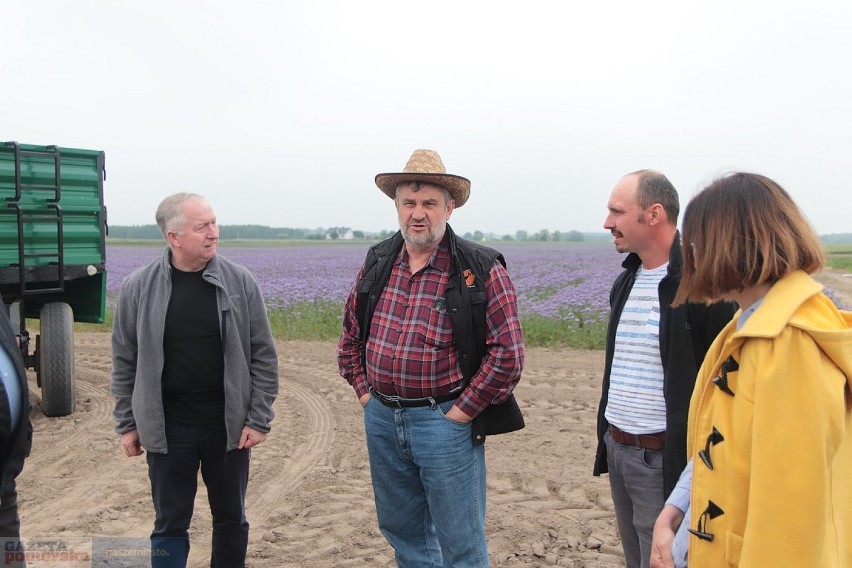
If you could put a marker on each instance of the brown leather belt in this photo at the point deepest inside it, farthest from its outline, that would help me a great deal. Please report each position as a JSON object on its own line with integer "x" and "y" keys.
{"x": 647, "y": 441}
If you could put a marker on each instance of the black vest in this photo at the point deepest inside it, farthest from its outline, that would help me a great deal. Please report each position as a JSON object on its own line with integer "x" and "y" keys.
{"x": 465, "y": 294}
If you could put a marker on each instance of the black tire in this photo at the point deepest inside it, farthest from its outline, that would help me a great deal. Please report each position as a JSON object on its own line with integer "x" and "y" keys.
{"x": 56, "y": 359}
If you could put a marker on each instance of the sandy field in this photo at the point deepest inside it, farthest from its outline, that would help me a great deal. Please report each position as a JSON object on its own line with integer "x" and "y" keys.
{"x": 309, "y": 499}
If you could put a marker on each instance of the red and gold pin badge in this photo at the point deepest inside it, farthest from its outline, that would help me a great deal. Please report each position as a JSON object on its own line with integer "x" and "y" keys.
{"x": 469, "y": 278}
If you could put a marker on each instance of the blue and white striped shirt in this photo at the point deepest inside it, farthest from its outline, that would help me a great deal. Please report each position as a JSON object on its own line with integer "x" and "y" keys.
{"x": 636, "y": 403}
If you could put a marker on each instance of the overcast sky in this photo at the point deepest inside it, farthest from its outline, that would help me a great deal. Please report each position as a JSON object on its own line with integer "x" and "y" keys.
{"x": 282, "y": 112}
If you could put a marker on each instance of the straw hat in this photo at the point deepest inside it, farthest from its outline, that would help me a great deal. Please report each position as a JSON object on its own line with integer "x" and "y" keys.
{"x": 426, "y": 166}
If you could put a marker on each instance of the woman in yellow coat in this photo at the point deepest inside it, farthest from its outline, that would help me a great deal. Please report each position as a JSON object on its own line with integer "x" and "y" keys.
{"x": 770, "y": 421}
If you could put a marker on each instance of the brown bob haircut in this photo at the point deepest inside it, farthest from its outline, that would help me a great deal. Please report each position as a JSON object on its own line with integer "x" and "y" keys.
{"x": 744, "y": 230}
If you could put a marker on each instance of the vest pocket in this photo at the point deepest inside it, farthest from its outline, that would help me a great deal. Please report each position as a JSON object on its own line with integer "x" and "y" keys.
{"x": 478, "y": 297}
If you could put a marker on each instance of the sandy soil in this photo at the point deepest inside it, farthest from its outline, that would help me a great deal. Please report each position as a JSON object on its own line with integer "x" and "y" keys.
{"x": 840, "y": 284}
{"x": 309, "y": 499}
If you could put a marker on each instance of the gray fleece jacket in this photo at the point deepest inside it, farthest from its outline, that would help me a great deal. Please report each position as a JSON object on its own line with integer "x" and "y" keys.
{"x": 251, "y": 362}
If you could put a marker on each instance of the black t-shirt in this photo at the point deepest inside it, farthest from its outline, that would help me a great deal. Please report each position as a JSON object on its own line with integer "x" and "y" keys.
{"x": 193, "y": 372}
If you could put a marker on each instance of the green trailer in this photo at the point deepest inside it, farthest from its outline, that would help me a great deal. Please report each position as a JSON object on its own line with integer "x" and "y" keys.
{"x": 52, "y": 256}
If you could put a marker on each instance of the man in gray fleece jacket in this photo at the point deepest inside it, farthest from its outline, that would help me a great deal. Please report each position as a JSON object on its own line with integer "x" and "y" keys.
{"x": 195, "y": 373}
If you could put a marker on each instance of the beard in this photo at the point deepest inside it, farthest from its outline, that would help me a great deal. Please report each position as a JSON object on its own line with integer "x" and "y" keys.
{"x": 425, "y": 240}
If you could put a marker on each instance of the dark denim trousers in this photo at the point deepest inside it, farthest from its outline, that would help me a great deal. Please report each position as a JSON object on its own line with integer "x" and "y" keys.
{"x": 174, "y": 481}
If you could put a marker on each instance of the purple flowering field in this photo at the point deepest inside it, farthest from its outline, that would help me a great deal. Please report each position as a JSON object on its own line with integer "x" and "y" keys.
{"x": 553, "y": 280}
{"x": 563, "y": 288}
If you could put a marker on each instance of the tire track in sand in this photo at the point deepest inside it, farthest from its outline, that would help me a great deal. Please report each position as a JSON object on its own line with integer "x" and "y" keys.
{"x": 75, "y": 450}
{"x": 315, "y": 435}
{"x": 321, "y": 507}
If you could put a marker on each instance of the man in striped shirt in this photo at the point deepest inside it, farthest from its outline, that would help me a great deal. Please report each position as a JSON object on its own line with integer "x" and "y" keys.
{"x": 653, "y": 353}
{"x": 406, "y": 349}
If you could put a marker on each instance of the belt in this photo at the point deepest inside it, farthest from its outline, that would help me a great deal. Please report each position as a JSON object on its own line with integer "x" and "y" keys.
{"x": 647, "y": 441}
{"x": 400, "y": 402}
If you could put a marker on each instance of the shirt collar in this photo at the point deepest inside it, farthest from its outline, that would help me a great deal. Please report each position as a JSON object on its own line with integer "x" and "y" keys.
{"x": 440, "y": 259}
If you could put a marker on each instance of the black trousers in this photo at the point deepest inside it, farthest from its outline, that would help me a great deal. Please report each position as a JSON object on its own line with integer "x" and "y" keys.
{"x": 10, "y": 530}
{"x": 174, "y": 482}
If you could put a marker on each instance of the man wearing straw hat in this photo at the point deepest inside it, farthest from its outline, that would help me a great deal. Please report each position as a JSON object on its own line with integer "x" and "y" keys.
{"x": 432, "y": 346}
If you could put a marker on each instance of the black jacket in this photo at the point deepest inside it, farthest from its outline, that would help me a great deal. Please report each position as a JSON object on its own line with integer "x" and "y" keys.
{"x": 15, "y": 445}
{"x": 686, "y": 333}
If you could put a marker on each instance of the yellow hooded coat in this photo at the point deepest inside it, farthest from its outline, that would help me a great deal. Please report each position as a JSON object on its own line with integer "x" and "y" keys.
{"x": 777, "y": 491}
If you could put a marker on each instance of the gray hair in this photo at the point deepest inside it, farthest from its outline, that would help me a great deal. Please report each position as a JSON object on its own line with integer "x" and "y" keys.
{"x": 170, "y": 212}
{"x": 415, "y": 187}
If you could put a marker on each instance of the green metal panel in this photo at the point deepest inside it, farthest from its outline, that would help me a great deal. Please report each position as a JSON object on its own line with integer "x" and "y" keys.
{"x": 52, "y": 227}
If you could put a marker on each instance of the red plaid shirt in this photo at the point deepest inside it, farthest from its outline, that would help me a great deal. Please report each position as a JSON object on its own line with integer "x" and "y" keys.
{"x": 411, "y": 350}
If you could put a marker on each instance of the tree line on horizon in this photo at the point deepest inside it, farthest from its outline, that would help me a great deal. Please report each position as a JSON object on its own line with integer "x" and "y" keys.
{"x": 263, "y": 232}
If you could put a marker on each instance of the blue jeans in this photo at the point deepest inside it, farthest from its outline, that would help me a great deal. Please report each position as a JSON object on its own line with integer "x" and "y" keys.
{"x": 429, "y": 486}
{"x": 174, "y": 482}
{"x": 636, "y": 482}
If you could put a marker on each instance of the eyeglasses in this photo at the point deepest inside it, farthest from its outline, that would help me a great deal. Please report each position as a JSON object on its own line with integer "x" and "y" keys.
{"x": 711, "y": 512}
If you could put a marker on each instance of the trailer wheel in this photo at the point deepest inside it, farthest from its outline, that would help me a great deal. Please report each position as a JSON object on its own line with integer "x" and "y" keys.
{"x": 56, "y": 359}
